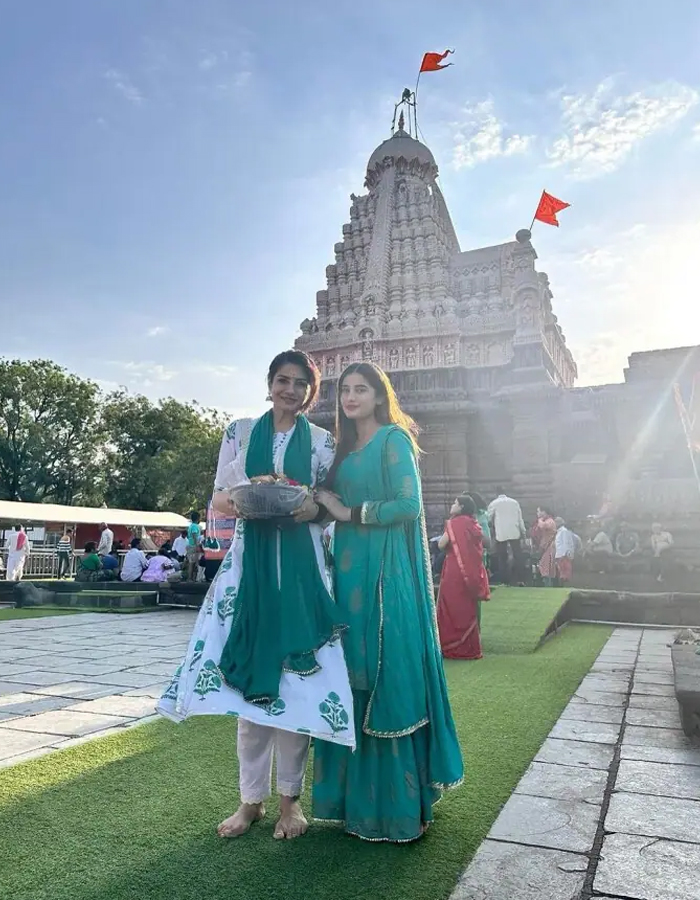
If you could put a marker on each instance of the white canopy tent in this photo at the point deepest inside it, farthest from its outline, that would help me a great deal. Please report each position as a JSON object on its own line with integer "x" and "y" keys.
{"x": 12, "y": 511}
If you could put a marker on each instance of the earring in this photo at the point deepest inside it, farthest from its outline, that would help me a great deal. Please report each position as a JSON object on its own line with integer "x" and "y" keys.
{"x": 269, "y": 398}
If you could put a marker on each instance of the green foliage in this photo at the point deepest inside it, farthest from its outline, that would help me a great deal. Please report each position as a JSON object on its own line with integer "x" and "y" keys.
{"x": 63, "y": 441}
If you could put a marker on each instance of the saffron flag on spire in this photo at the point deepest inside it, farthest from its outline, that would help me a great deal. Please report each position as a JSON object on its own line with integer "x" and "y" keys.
{"x": 431, "y": 61}
{"x": 547, "y": 209}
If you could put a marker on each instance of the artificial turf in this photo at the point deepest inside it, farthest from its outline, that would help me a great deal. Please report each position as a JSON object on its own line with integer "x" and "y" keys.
{"x": 134, "y": 815}
{"x": 515, "y": 619}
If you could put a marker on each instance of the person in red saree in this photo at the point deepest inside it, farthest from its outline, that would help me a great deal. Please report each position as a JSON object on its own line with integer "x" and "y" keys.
{"x": 463, "y": 583}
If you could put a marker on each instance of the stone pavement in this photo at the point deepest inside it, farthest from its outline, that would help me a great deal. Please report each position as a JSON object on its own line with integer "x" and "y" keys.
{"x": 610, "y": 806}
{"x": 67, "y": 679}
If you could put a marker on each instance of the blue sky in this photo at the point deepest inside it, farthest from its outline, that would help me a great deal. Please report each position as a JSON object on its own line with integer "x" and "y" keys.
{"x": 175, "y": 174}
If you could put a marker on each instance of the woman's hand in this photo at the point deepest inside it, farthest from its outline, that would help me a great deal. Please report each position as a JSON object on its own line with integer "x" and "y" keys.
{"x": 223, "y": 504}
{"x": 307, "y": 512}
{"x": 335, "y": 507}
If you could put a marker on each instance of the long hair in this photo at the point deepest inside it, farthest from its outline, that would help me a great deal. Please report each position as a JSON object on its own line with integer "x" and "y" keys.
{"x": 388, "y": 412}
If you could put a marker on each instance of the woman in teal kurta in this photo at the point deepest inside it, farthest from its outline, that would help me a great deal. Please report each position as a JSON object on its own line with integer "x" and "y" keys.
{"x": 407, "y": 749}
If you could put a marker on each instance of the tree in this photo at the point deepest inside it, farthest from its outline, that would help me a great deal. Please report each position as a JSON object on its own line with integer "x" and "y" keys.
{"x": 159, "y": 456}
{"x": 49, "y": 433}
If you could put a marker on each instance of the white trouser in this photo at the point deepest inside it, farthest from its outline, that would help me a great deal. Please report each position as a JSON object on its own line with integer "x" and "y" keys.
{"x": 255, "y": 753}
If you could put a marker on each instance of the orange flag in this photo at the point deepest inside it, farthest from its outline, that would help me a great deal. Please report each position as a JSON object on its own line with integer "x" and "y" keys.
{"x": 547, "y": 209}
{"x": 431, "y": 61}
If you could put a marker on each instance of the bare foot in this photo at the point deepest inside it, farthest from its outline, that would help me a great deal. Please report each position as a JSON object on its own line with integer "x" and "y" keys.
{"x": 292, "y": 823}
{"x": 241, "y": 820}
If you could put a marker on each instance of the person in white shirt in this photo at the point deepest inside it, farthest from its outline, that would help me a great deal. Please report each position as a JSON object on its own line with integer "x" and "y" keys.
{"x": 661, "y": 544}
{"x": 135, "y": 562}
{"x": 566, "y": 545}
{"x": 180, "y": 545}
{"x": 18, "y": 549}
{"x": 106, "y": 540}
{"x": 507, "y": 529}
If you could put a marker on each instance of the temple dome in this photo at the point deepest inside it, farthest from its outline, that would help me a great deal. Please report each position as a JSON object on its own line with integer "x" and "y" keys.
{"x": 401, "y": 144}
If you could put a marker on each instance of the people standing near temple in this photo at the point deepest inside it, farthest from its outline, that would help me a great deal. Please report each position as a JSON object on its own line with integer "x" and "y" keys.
{"x": 135, "y": 562}
{"x": 566, "y": 545}
{"x": 508, "y": 529}
{"x": 106, "y": 540}
{"x": 661, "y": 546}
{"x": 277, "y": 663}
{"x": 64, "y": 549}
{"x": 194, "y": 536}
{"x": 18, "y": 549}
{"x": 180, "y": 545}
{"x": 464, "y": 583}
{"x": 627, "y": 541}
{"x": 543, "y": 534}
{"x": 407, "y": 748}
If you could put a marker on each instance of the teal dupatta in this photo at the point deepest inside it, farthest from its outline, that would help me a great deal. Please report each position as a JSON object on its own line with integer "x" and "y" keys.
{"x": 283, "y": 611}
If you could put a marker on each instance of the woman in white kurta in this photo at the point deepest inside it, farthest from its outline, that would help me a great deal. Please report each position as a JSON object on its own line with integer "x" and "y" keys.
{"x": 18, "y": 550}
{"x": 317, "y": 704}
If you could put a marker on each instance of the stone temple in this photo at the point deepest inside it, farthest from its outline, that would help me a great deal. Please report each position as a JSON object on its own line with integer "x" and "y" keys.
{"x": 473, "y": 347}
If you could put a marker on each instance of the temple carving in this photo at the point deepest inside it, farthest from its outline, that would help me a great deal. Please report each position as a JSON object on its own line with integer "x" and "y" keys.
{"x": 475, "y": 351}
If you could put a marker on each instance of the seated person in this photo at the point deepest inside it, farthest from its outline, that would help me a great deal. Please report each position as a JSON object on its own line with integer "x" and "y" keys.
{"x": 600, "y": 544}
{"x": 135, "y": 562}
{"x": 627, "y": 541}
{"x": 159, "y": 568}
{"x": 89, "y": 564}
{"x": 661, "y": 544}
{"x": 110, "y": 565}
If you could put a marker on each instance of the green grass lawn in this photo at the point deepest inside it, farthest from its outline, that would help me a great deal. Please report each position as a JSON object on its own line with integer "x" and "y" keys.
{"x": 35, "y": 612}
{"x": 132, "y": 817}
{"x": 514, "y": 619}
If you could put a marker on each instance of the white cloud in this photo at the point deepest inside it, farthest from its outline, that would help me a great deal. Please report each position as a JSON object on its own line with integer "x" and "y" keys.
{"x": 696, "y": 132}
{"x": 601, "y": 129}
{"x": 121, "y": 83}
{"x": 147, "y": 373}
{"x": 480, "y": 136}
{"x": 158, "y": 330}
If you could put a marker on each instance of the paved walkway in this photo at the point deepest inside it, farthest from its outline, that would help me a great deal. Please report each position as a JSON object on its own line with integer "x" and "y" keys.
{"x": 610, "y": 807}
{"x": 67, "y": 679}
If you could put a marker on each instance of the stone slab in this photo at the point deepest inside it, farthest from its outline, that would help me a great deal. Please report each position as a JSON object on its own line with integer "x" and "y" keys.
{"x": 79, "y": 690}
{"x": 127, "y": 679}
{"x": 649, "y": 701}
{"x": 164, "y": 670}
{"x": 563, "y": 782}
{"x": 602, "y": 698}
{"x": 40, "y": 678}
{"x": 11, "y": 669}
{"x": 645, "y": 677}
{"x": 155, "y": 691}
{"x": 68, "y": 723}
{"x": 653, "y": 689}
{"x": 588, "y": 712}
{"x": 14, "y": 742}
{"x": 661, "y": 779}
{"x": 653, "y": 718}
{"x": 643, "y": 736}
{"x": 13, "y": 687}
{"x": 665, "y": 817}
{"x": 689, "y": 757}
{"x": 616, "y": 684}
{"x": 25, "y": 757}
{"x": 36, "y": 704}
{"x": 517, "y": 872}
{"x": 576, "y": 754}
{"x": 648, "y": 868}
{"x": 130, "y": 707}
{"x": 543, "y": 822}
{"x": 590, "y": 732}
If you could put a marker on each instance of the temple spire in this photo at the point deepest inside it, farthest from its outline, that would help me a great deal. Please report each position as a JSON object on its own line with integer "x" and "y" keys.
{"x": 407, "y": 103}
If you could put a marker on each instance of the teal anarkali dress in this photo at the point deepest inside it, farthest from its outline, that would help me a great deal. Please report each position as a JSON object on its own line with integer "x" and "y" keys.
{"x": 407, "y": 748}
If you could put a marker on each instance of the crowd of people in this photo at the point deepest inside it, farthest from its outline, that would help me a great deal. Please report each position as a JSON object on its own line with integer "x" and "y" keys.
{"x": 108, "y": 560}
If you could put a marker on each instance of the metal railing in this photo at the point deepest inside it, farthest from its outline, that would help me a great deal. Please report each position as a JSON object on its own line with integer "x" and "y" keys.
{"x": 43, "y": 562}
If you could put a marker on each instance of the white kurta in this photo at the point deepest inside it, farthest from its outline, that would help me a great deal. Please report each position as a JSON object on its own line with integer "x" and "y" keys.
{"x": 16, "y": 558}
{"x": 319, "y": 705}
